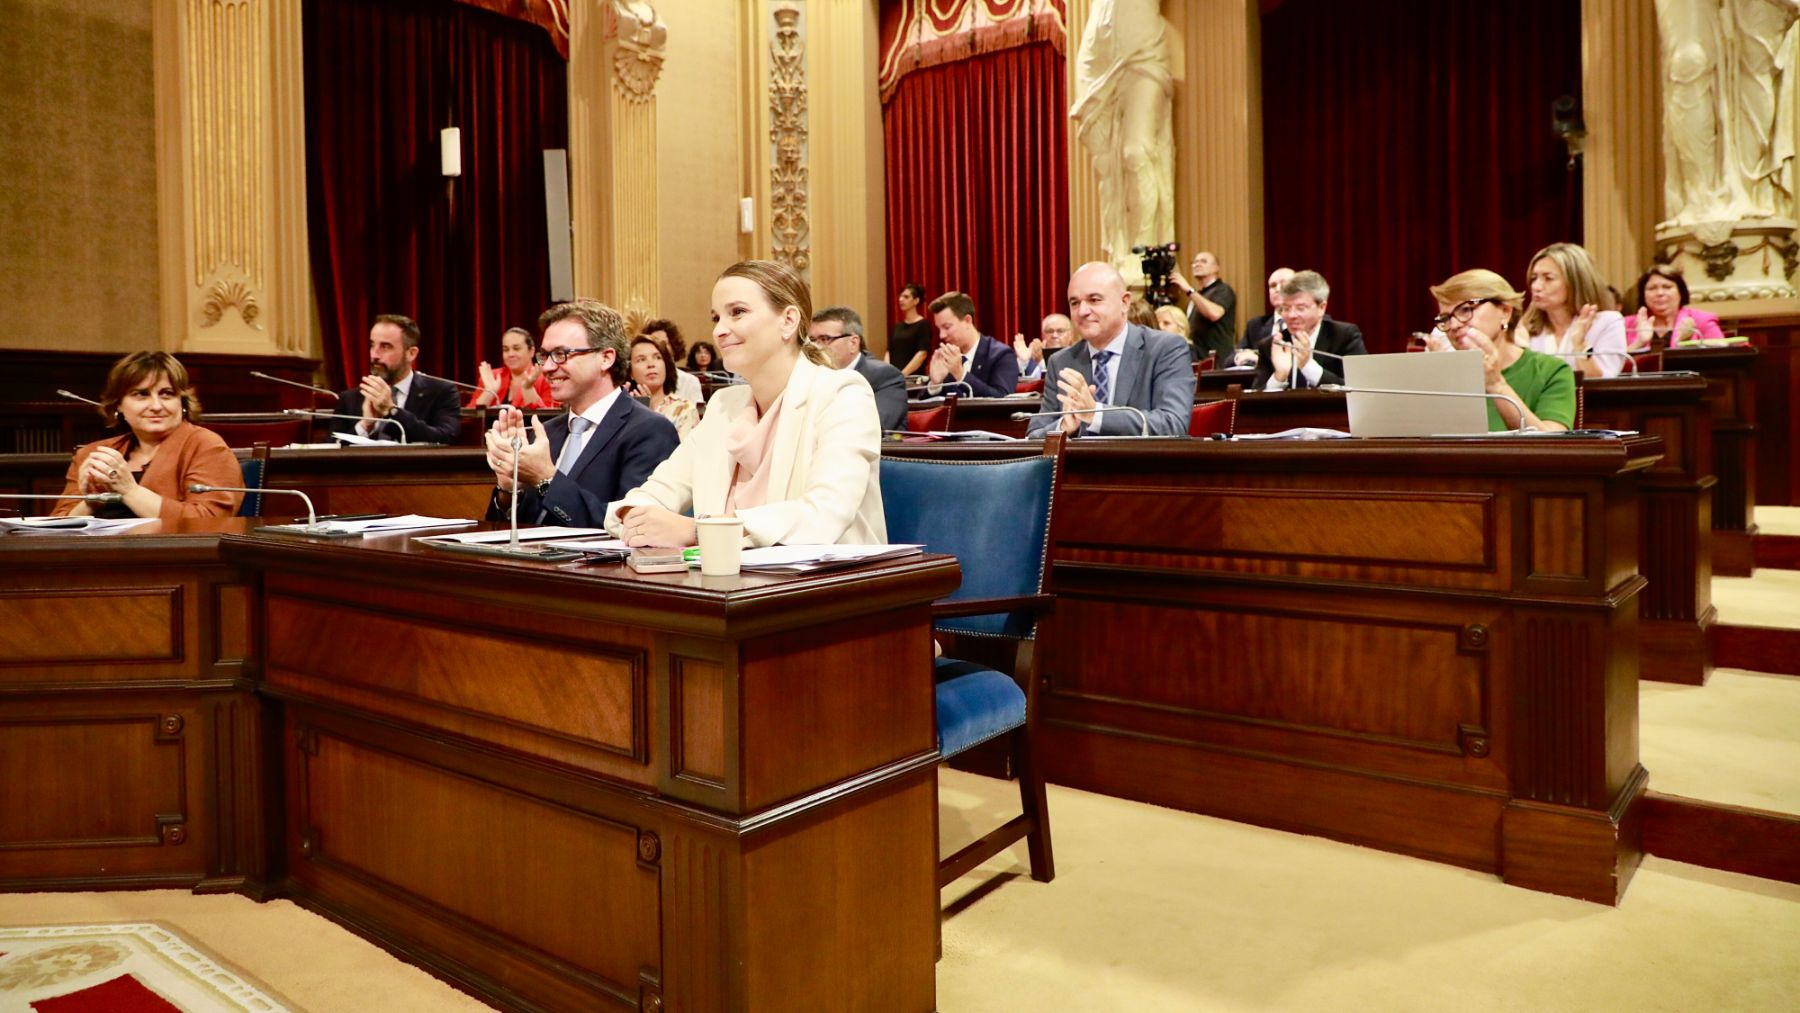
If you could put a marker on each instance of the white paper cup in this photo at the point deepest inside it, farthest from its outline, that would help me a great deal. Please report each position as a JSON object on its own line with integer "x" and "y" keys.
{"x": 721, "y": 545}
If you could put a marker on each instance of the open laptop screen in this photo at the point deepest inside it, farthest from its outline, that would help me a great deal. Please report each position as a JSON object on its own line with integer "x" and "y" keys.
{"x": 1415, "y": 414}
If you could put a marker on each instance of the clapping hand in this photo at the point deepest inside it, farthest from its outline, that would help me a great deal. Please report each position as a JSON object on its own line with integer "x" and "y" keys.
{"x": 1076, "y": 395}
{"x": 106, "y": 471}
{"x": 946, "y": 362}
{"x": 534, "y": 450}
{"x": 1576, "y": 338}
{"x": 490, "y": 381}
{"x": 378, "y": 397}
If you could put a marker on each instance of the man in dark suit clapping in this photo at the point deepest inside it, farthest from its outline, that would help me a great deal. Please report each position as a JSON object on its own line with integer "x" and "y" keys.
{"x": 966, "y": 355}
{"x": 1286, "y": 360}
{"x": 426, "y": 408}
{"x": 607, "y": 444}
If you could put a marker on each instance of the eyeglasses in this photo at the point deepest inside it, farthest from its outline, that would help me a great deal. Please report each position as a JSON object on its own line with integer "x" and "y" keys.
{"x": 560, "y": 355}
{"x": 826, "y": 339}
{"x": 1461, "y": 313}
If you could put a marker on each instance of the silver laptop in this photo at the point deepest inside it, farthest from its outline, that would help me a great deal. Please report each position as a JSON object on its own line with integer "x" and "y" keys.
{"x": 1415, "y": 414}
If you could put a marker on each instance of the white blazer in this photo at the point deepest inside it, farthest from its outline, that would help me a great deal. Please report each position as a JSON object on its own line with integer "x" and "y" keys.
{"x": 825, "y": 467}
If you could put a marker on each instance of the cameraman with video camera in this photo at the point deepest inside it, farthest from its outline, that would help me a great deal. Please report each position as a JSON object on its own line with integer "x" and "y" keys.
{"x": 1211, "y": 309}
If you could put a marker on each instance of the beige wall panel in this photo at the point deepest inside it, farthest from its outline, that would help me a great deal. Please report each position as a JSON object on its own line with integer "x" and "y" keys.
{"x": 78, "y": 254}
{"x": 697, "y": 149}
{"x": 1218, "y": 142}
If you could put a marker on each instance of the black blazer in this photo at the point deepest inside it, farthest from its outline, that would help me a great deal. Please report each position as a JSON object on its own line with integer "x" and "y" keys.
{"x": 1334, "y": 338}
{"x": 432, "y": 413}
{"x": 890, "y": 390}
{"x": 994, "y": 369}
{"x": 624, "y": 449}
{"x": 1257, "y": 330}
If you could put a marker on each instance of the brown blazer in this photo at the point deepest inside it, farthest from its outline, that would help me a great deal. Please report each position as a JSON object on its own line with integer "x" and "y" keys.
{"x": 189, "y": 454}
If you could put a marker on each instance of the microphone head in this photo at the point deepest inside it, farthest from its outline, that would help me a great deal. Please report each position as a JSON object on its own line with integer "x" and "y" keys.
{"x": 197, "y": 487}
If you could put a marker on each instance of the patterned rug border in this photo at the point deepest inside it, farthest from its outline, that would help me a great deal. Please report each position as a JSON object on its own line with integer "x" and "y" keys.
{"x": 245, "y": 989}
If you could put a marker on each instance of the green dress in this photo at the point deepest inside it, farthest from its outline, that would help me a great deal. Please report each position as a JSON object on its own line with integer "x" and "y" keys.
{"x": 1545, "y": 383}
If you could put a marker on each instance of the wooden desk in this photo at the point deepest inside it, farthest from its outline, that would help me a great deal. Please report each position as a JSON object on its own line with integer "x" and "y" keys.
{"x": 1676, "y": 536}
{"x": 563, "y": 789}
{"x": 435, "y": 481}
{"x": 1422, "y": 646}
{"x": 1731, "y": 400}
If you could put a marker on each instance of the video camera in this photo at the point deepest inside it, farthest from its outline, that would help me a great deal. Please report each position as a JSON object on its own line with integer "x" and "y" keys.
{"x": 1158, "y": 262}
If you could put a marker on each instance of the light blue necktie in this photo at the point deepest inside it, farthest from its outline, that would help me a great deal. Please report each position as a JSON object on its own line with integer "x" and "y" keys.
{"x": 1101, "y": 391}
{"x": 572, "y": 447}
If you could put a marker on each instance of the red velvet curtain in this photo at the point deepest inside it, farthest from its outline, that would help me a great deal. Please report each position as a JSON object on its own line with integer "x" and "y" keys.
{"x": 978, "y": 185}
{"x": 1406, "y": 140}
{"x": 466, "y": 257}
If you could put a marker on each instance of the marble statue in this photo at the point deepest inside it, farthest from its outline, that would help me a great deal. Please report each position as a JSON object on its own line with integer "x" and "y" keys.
{"x": 1728, "y": 137}
{"x": 1124, "y": 87}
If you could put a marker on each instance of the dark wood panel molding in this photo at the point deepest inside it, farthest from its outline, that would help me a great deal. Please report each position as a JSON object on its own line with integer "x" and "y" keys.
{"x": 1754, "y": 842}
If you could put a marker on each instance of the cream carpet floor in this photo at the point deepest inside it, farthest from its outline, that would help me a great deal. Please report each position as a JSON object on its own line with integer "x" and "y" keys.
{"x": 1770, "y": 598}
{"x": 1154, "y": 909}
{"x": 1734, "y": 740}
{"x": 1778, "y": 520}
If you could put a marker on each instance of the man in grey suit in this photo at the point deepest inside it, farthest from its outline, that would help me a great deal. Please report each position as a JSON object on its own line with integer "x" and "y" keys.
{"x": 1115, "y": 363}
{"x": 839, "y": 331}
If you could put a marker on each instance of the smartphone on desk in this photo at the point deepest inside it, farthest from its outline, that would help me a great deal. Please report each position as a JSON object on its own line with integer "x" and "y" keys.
{"x": 657, "y": 560}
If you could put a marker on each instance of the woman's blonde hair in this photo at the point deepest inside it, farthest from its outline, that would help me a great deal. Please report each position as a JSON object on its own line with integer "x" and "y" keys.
{"x": 1171, "y": 319}
{"x": 782, "y": 287}
{"x": 138, "y": 367}
{"x": 1579, "y": 278}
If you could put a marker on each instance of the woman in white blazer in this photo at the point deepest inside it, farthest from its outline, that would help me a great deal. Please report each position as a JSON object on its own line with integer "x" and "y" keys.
{"x": 794, "y": 451}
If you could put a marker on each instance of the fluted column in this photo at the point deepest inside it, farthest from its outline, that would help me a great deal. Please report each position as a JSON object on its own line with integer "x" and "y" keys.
{"x": 1084, "y": 186}
{"x": 231, "y": 178}
{"x": 614, "y": 62}
{"x": 1622, "y": 164}
{"x": 1218, "y": 141}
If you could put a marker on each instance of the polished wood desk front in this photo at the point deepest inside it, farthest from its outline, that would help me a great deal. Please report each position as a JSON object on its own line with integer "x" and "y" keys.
{"x": 558, "y": 788}
{"x": 1731, "y": 399}
{"x": 1423, "y": 646}
{"x": 1676, "y": 537}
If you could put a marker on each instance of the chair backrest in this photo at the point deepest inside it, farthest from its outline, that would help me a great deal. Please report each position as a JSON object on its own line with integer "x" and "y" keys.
{"x": 1206, "y": 364}
{"x": 275, "y": 433}
{"x": 932, "y": 418}
{"x": 1211, "y": 417}
{"x": 993, "y": 516}
{"x": 1580, "y": 403}
{"x": 1649, "y": 362}
{"x": 256, "y": 472}
{"x": 1029, "y": 386}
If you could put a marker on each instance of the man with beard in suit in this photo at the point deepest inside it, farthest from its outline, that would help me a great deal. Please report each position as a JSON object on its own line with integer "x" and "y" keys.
{"x": 428, "y": 409}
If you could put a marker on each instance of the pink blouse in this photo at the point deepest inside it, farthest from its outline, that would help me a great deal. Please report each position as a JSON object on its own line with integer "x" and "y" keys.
{"x": 751, "y": 445}
{"x": 1705, "y": 328}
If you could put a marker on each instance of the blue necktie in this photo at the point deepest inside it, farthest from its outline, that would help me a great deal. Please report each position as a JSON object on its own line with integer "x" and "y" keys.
{"x": 572, "y": 447}
{"x": 1101, "y": 391}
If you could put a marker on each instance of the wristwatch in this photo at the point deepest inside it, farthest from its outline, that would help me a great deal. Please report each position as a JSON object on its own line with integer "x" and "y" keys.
{"x": 543, "y": 488}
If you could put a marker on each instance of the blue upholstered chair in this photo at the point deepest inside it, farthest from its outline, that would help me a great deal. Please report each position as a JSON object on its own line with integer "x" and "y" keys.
{"x": 994, "y": 517}
{"x": 256, "y": 472}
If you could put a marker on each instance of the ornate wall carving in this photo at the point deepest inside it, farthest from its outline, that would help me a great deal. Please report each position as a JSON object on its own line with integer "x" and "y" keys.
{"x": 638, "y": 56}
{"x": 788, "y": 138}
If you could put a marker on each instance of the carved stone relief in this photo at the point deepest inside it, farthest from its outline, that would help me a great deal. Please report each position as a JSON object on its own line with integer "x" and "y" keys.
{"x": 638, "y": 58}
{"x": 787, "y": 134}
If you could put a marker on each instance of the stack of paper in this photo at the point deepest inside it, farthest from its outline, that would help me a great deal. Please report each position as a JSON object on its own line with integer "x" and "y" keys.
{"x": 813, "y": 558}
{"x": 72, "y": 525}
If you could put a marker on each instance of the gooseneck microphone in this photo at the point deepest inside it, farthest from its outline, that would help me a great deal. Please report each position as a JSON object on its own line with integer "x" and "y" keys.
{"x": 1143, "y": 420}
{"x": 71, "y": 395}
{"x": 312, "y": 519}
{"x": 293, "y": 383}
{"x": 97, "y": 498}
{"x": 335, "y": 415}
{"x": 1484, "y": 395}
{"x": 453, "y": 383}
